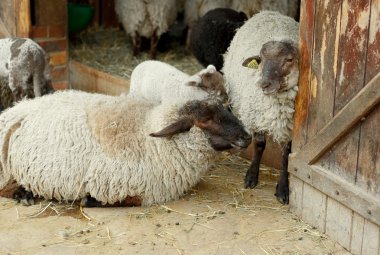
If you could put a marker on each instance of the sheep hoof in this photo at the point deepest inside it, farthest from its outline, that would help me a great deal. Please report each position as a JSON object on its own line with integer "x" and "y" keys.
{"x": 89, "y": 201}
{"x": 250, "y": 183}
{"x": 24, "y": 197}
{"x": 282, "y": 194}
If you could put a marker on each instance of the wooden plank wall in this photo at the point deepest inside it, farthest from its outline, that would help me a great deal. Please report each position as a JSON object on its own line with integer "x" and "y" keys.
{"x": 8, "y": 17}
{"x": 340, "y": 46}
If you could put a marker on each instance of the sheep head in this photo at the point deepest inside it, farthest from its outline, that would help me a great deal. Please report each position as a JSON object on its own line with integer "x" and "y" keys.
{"x": 223, "y": 129}
{"x": 210, "y": 80}
{"x": 278, "y": 66}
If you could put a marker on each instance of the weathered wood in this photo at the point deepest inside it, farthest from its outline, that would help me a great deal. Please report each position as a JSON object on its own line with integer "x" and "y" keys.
{"x": 337, "y": 188}
{"x": 23, "y": 18}
{"x": 343, "y": 121}
{"x": 357, "y": 234}
{"x": 314, "y": 207}
{"x": 371, "y": 238}
{"x": 8, "y": 17}
{"x": 324, "y": 60}
{"x": 85, "y": 78}
{"x": 302, "y": 100}
{"x": 349, "y": 81}
{"x": 368, "y": 171}
{"x": 296, "y": 195}
{"x": 3, "y": 30}
{"x": 338, "y": 222}
{"x": 352, "y": 51}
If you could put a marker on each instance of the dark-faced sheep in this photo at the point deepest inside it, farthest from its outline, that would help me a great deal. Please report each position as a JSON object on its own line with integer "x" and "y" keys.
{"x": 26, "y": 66}
{"x": 211, "y": 35}
{"x": 71, "y": 145}
{"x": 261, "y": 75}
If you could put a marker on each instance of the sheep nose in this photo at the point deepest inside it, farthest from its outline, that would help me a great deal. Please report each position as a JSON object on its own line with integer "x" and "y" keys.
{"x": 265, "y": 84}
{"x": 245, "y": 140}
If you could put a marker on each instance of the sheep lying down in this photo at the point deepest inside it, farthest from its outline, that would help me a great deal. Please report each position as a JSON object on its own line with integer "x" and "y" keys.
{"x": 73, "y": 145}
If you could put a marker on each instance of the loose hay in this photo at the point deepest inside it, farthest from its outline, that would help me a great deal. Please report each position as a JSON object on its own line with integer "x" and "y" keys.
{"x": 219, "y": 196}
{"x": 110, "y": 50}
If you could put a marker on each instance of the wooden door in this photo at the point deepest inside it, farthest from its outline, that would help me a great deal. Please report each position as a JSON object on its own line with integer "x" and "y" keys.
{"x": 336, "y": 137}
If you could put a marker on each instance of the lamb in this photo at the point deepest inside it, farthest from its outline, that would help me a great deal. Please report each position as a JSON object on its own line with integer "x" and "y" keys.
{"x": 149, "y": 19}
{"x": 110, "y": 148}
{"x": 211, "y": 35}
{"x": 262, "y": 91}
{"x": 26, "y": 65}
{"x": 158, "y": 81}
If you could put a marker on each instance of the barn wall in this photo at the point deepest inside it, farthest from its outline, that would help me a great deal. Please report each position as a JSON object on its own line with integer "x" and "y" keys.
{"x": 49, "y": 29}
{"x": 335, "y": 176}
{"x": 7, "y": 18}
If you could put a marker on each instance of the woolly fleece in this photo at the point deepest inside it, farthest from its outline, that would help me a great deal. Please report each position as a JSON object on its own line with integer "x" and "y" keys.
{"x": 146, "y": 17}
{"x": 272, "y": 114}
{"x": 21, "y": 59}
{"x": 158, "y": 81}
{"x": 71, "y": 143}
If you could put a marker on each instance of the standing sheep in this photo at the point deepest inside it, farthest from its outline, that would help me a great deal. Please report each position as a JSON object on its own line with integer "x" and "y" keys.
{"x": 109, "y": 148}
{"x": 149, "y": 19}
{"x": 251, "y": 7}
{"x": 158, "y": 81}
{"x": 261, "y": 75}
{"x": 211, "y": 35}
{"x": 26, "y": 65}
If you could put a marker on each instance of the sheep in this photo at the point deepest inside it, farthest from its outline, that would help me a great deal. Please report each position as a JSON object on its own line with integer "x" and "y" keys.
{"x": 261, "y": 76}
{"x": 111, "y": 149}
{"x": 26, "y": 65}
{"x": 211, "y": 35}
{"x": 149, "y": 19}
{"x": 251, "y": 7}
{"x": 158, "y": 81}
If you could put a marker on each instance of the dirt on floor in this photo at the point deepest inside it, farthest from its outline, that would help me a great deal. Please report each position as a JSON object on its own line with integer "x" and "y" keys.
{"x": 217, "y": 217}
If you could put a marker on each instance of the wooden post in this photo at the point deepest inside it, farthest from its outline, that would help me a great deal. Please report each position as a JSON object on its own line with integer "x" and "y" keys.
{"x": 23, "y": 19}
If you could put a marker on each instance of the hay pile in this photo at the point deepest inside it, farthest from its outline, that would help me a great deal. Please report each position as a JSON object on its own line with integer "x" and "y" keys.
{"x": 110, "y": 50}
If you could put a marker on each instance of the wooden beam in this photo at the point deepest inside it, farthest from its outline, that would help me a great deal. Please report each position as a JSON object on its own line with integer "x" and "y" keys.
{"x": 89, "y": 79}
{"x": 3, "y": 30}
{"x": 343, "y": 121}
{"x": 23, "y": 18}
{"x": 337, "y": 188}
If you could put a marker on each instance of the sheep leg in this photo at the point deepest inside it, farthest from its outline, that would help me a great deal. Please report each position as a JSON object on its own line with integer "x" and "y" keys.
{"x": 282, "y": 188}
{"x": 24, "y": 197}
{"x": 89, "y": 201}
{"x": 252, "y": 175}
{"x": 38, "y": 83}
{"x": 153, "y": 45}
{"x": 136, "y": 44}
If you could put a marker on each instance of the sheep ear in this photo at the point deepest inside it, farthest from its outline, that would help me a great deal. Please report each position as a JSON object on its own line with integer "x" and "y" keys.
{"x": 180, "y": 126}
{"x": 195, "y": 81}
{"x": 252, "y": 62}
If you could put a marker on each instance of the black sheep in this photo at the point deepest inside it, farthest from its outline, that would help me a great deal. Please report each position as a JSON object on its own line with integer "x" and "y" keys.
{"x": 212, "y": 34}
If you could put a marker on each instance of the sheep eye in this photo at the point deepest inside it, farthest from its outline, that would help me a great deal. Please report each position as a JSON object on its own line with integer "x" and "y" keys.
{"x": 289, "y": 60}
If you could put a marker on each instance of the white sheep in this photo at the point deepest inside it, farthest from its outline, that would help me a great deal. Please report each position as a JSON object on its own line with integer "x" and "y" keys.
{"x": 158, "y": 81}
{"x": 261, "y": 76}
{"x": 71, "y": 144}
{"x": 251, "y": 7}
{"x": 149, "y": 19}
{"x": 26, "y": 66}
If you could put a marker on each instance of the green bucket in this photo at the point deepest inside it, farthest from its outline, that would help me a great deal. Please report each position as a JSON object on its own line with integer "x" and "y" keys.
{"x": 80, "y": 16}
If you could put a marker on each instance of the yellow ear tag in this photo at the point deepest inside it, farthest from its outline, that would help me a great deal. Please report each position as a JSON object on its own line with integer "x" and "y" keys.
{"x": 253, "y": 64}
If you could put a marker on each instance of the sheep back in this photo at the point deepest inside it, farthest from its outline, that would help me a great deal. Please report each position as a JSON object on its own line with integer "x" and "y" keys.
{"x": 146, "y": 18}
{"x": 211, "y": 35}
{"x": 251, "y": 7}
{"x": 70, "y": 144}
{"x": 158, "y": 81}
{"x": 274, "y": 113}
